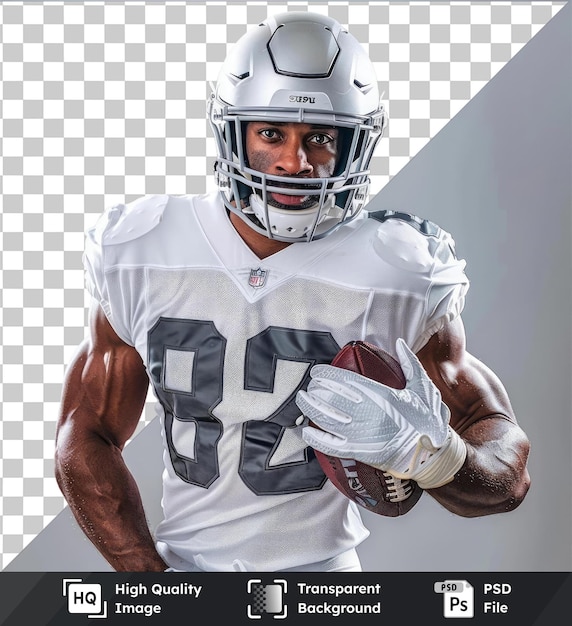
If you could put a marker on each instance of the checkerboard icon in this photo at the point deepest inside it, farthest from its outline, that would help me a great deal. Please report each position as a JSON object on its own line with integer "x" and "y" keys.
{"x": 266, "y": 599}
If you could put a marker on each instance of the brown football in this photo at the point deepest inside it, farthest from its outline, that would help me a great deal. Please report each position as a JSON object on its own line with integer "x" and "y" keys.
{"x": 375, "y": 490}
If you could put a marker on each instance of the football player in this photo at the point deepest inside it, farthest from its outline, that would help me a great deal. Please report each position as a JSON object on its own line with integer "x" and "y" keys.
{"x": 225, "y": 302}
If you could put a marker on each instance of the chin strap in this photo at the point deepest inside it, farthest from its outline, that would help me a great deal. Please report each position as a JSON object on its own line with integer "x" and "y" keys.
{"x": 290, "y": 223}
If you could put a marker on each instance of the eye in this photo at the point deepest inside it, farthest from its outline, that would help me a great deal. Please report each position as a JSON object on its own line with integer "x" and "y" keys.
{"x": 269, "y": 133}
{"x": 321, "y": 139}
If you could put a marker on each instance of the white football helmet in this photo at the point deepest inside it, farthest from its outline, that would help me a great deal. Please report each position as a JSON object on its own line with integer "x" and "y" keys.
{"x": 296, "y": 67}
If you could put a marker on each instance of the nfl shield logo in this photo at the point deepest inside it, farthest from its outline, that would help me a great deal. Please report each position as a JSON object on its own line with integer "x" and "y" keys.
{"x": 257, "y": 278}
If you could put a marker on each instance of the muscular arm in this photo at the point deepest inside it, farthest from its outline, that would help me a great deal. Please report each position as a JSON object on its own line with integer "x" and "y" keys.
{"x": 104, "y": 393}
{"x": 494, "y": 477}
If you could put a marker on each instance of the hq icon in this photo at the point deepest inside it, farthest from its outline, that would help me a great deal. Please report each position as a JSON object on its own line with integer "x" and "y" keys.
{"x": 84, "y": 598}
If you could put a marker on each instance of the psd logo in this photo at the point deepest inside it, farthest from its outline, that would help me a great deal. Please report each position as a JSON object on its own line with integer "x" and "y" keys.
{"x": 84, "y": 598}
{"x": 458, "y": 598}
{"x": 267, "y": 599}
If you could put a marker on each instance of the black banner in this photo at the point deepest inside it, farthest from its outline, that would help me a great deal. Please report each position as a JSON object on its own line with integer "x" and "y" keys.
{"x": 50, "y": 599}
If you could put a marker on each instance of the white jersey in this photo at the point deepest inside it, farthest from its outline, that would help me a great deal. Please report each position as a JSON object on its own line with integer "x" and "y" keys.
{"x": 228, "y": 339}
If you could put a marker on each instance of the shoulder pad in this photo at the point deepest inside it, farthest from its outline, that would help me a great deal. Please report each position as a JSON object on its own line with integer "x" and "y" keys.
{"x": 125, "y": 222}
{"x": 411, "y": 243}
{"x": 423, "y": 226}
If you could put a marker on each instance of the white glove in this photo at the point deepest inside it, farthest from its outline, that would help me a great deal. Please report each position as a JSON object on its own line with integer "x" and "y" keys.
{"x": 402, "y": 431}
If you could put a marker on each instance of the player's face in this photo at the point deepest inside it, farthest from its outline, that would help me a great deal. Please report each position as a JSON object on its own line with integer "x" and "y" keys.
{"x": 292, "y": 149}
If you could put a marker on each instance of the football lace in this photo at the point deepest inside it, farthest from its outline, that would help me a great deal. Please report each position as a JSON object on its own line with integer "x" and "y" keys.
{"x": 398, "y": 489}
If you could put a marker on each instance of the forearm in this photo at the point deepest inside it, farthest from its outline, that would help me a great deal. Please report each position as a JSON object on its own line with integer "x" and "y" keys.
{"x": 105, "y": 500}
{"x": 494, "y": 478}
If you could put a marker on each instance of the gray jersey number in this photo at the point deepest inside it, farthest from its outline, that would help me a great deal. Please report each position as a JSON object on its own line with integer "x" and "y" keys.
{"x": 194, "y": 400}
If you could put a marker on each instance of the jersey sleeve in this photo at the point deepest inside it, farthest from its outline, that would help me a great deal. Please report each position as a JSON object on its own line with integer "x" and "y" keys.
{"x": 447, "y": 289}
{"x": 94, "y": 261}
{"x": 425, "y": 268}
{"x": 107, "y": 250}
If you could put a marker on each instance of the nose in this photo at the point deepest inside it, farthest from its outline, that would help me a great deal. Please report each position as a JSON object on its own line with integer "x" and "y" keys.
{"x": 293, "y": 159}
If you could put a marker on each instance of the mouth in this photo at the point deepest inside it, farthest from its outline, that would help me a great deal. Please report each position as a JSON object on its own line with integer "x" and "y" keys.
{"x": 291, "y": 200}
{"x": 287, "y": 200}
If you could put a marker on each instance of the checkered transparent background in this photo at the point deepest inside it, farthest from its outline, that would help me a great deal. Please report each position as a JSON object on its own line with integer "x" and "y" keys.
{"x": 102, "y": 103}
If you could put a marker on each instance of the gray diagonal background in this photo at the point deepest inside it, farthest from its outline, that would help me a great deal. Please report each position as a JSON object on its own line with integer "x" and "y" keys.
{"x": 498, "y": 176}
